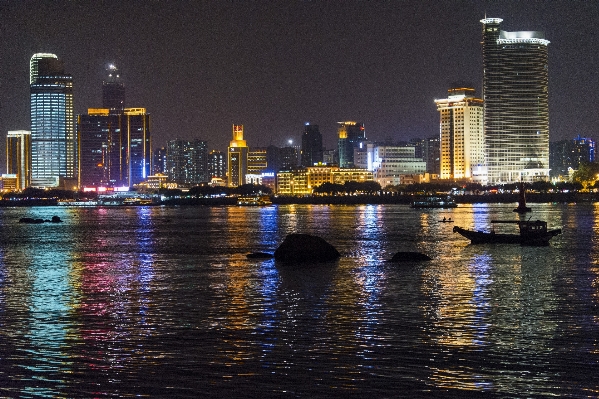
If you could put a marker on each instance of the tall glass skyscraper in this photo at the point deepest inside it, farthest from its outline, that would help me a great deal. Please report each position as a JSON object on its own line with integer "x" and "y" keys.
{"x": 516, "y": 107}
{"x": 53, "y": 144}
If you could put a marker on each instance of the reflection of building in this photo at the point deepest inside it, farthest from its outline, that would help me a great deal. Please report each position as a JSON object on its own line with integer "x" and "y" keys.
{"x": 237, "y": 158}
{"x": 351, "y": 135}
{"x": 516, "y": 106}
{"x": 52, "y": 124}
{"x": 187, "y": 161}
{"x": 311, "y": 153}
{"x": 462, "y": 138}
{"x": 18, "y": 157}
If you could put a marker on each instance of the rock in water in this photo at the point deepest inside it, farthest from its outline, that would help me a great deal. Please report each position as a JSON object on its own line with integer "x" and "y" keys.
{"x": 305, "y": 248}
{"x": 410, "y": 257}
{"x": 259, "y": 255}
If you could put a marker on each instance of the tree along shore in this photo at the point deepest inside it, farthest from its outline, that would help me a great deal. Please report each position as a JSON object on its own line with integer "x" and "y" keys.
{"x": 406, "y": 199}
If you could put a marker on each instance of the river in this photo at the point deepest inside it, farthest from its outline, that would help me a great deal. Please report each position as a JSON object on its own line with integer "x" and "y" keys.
{"x": 162, "y": 302}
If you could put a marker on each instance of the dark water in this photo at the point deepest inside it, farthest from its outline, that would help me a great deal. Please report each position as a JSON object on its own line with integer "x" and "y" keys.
{"x": 162, "y": 302}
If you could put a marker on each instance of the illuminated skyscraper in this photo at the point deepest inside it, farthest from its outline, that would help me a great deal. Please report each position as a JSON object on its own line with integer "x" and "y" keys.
{"x": 237, "y": 158}
{"x": 18, "y": 157}
{"x": 516, "y": 108}
{"x": 113, "y": 91}
{"x": 217, "y": 164}
{"x": 187, "y": 161}
{"x": 100, "y": 142}
{"x": 53, "y": 144}
{"x": 311, "y": 145}
{"x": 138, "y": 150}
{"x": 462, "y": 138}
{"x": 351, "y": 136}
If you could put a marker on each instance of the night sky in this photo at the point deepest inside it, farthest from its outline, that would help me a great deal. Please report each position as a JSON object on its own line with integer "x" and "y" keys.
{"x": 200, "y": 66}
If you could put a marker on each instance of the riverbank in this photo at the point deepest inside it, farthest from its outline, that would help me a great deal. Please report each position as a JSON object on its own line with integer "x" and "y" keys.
{"x": 406, "y": 199}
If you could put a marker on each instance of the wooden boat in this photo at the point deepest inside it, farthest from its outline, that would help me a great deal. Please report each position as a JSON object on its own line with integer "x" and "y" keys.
{"x": 522, "y": 208}
{"x": 532, "y": 232}
{"x": 444, "y": 220}
{"x": 434, "y": 202}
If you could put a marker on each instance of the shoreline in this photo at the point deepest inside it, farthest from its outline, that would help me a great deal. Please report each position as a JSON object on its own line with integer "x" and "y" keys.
{"x": 405, "y": 199}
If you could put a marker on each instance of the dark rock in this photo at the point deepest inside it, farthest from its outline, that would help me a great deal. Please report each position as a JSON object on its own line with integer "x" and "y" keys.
{"x": 410, "y": 257}
{"x": 305, "y": 248}
{"x": 56, "y": 219}
{"x": 259, "y": 255}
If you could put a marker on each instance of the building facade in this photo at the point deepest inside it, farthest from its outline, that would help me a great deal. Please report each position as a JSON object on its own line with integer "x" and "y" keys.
{"x": 18, "y": 157}
{"x": 388, "y": 163}
{"x": 351, "y": 135}
{"x": 53, "y": 142}
{"x": 187, "y": 161}
{"x": 237, "y": 158}
{"x": 257, "y": 161}
{"x": 138, "y": 153}
{"x": 566, "y": 155}
{"x": 462, "y": 135}
{"x": 516, "y": 106}
{"x": 217, "y": 164}
{"x": 113, "y": 91}
{"x": 311, "y": 152}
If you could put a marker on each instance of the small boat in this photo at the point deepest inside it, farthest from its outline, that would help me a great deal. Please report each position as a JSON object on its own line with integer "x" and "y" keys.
{"x": 446, "y": 220}
{"x": 257, "y": 200}
{"x": 532, "y": 232}
{"x": 522, "y": 208}
{"x": 434, "y": 201}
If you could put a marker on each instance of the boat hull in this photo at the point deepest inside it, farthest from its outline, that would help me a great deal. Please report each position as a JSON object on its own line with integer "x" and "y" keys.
{"x": 481, "y": 237}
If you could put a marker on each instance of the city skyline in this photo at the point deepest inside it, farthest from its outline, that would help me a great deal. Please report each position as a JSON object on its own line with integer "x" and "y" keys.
{"x": 275, "y": 66}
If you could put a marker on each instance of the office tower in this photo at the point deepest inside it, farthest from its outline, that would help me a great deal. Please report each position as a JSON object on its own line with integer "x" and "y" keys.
{"x": 567, "y": 155}
{"x": 217, "y": 164}
{"x": 516, "y": 111}
{"x": 138, "y": 145}
{"x": 159, "y": 161}
{"x": 34, "y": 62}
{"x": 351, "y": 135}
{"x": 462, "y": 138}
{"x": 257, "y": 163}
{"x": 18, "y": 157}
{"x": 311, "y": 152}
{"x": 187, "y": 161}
{"x": 113, "y": 91}
{"x": 100, "y": 140}
{"x": 237, "y": 158}
{"x": 53, "y": 144}
{"x": 288, "y": 157}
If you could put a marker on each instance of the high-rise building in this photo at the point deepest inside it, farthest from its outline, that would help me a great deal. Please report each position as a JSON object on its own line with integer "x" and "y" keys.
{"x": 53, "y": 142}
{"x": 257, "y": 160}
{"x": 351, "y": 135}
{"x": 187, "y": 161}
{"x": 569, "y": 154}
{"x": 100, "y": 140}
{"x": 462, "y": 137}
{"x": 217, "y": 164}
{"x": 113, "y": 91}
{"x": 237, "y": 158}
{"x": 516, "y": 107}
{"x": 18, "y": 157}
{"x": 138, "y": 145}
{"x": 159, "y": 162}
{"x": 311, "y": 152}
